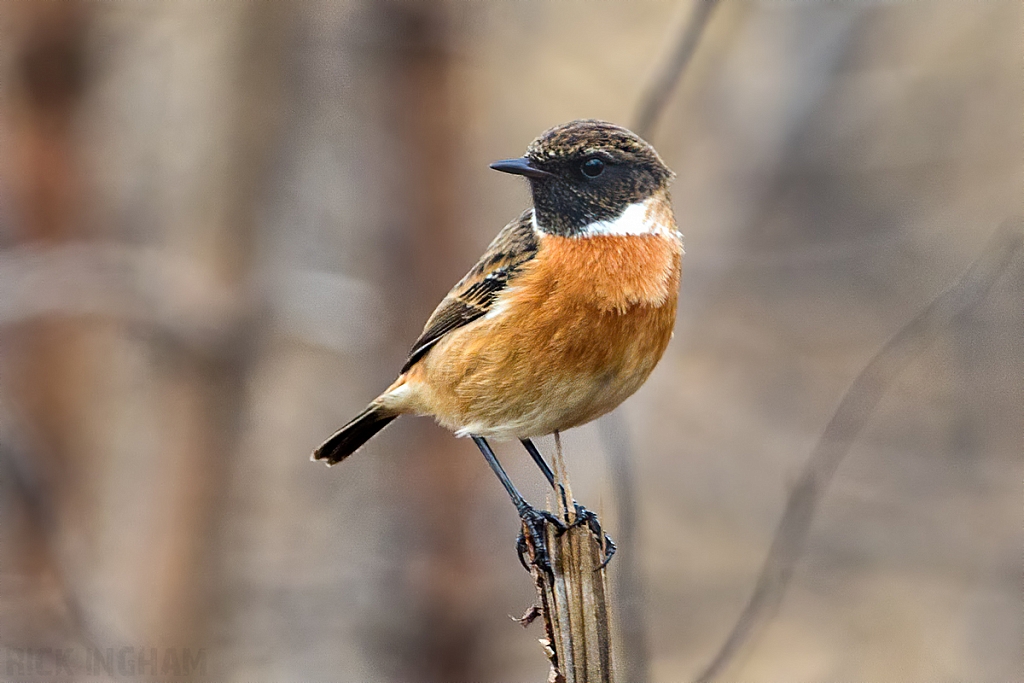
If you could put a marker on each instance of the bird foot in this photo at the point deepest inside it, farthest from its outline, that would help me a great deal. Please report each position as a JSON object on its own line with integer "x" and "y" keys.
{"x": 532, "y": 542}
{"x": 588, "y": 518}
{"x": 532, "y": 545}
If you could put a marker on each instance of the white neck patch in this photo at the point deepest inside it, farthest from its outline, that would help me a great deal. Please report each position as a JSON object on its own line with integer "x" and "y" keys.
{"x": 635, "y": 219}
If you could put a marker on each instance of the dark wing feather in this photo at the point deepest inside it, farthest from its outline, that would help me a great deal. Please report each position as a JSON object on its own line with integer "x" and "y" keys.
{"x": 477, "y": 291}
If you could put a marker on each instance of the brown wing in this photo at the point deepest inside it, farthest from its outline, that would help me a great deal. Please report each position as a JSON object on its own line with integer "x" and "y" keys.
{"x": 476, "y": 292}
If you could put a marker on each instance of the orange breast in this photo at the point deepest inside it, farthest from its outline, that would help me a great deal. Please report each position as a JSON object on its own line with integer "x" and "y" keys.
{"x": 576, "y": 334}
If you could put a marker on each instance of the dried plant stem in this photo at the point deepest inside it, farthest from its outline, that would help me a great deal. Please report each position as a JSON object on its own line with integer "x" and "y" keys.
{"x": 574, "y": 598}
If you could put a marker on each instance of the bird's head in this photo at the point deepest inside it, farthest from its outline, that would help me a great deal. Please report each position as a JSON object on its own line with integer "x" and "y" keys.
{"x": 587, "y": 173}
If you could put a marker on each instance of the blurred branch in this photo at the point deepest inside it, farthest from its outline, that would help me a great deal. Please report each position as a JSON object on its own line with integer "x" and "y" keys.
{"x": 852, "y": 414}
{"x": 134, "y": 285}
{"x": 177, "y": 298}
{"x": 613, "y": 429}
{"x": 654, "y": 101}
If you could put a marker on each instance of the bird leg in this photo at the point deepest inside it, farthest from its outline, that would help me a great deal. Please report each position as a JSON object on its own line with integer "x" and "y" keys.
{"x": 549, "y": 474}
{"x": 583, "y": 515}
{"x": 533, "y": 534}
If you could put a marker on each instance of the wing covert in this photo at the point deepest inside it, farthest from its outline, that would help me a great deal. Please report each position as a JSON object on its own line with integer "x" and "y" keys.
{"x": 476, "y": 293}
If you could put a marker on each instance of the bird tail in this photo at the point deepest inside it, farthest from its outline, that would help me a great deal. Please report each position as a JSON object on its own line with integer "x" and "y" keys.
{"x": 358, "y": 431}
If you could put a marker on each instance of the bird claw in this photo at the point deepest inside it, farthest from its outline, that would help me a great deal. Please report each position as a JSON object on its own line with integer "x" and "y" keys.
{"x": 532, "y": 541}
{"x": 585, "y": 516}
{"x": 532, "y": 546}
{"x": 588, "y": 518}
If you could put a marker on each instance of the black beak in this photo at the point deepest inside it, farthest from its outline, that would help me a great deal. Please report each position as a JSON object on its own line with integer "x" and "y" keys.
{"x": 520, "y": 166}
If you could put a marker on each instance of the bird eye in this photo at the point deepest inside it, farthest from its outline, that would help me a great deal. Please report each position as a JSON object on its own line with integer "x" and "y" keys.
{"x": 592, "y": 167}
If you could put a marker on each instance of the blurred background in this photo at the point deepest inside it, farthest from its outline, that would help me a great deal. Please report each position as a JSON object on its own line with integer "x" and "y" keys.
{"x": 223, "y": 224}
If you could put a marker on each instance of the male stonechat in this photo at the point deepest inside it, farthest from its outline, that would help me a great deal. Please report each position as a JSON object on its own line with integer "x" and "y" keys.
{"x": 563, "y": 317}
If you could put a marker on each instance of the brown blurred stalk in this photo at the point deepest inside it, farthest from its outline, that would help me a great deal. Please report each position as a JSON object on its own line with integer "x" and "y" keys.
{"x": 45, "y": 365}
{"x": 59, "y": 364}
{"x": 432, "y": 487}
{"x": 46, "y": 181}
{"x": 203, "y": 393}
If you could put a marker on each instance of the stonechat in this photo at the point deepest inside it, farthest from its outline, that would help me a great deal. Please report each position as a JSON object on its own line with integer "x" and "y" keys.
{"x": 564, "y": 316}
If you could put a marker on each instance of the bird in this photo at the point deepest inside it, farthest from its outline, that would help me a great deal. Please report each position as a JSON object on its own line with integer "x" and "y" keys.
{"x": 564, "y": 316}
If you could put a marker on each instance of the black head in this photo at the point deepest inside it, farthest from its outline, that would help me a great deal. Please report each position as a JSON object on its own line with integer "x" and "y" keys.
{"x": 586, "y": 171}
